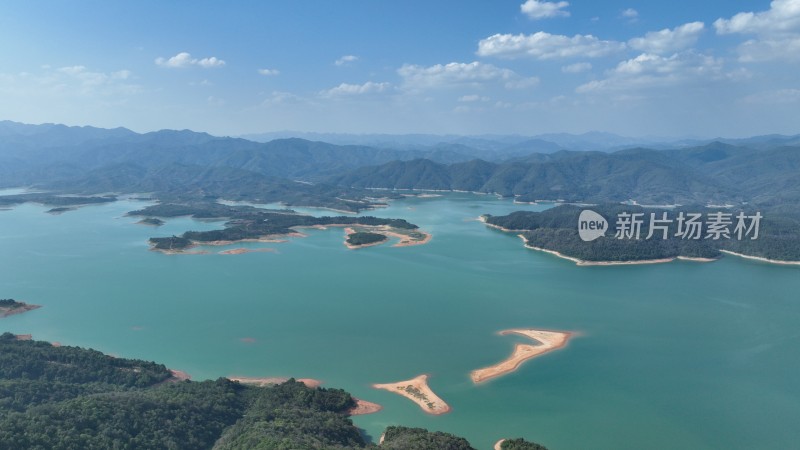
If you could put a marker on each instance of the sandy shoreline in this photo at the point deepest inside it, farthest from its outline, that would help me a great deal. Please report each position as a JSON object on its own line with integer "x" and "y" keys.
{"x": 241, "y": 250}
{"x": 271, "y": 239}
{"x": 269, "y": 381}
{"x": 549, "y": 341}
{"x": 418, "y": 391}
{"x": 762, "y": 259}
{"x": 581, "y": 262}
{"x": 385, "y": 230}
{"x": 363, "y": 407}
{"x": 499, "y": 444}
{"x": 482, "y": 219}
{"x": 405, "y": 240}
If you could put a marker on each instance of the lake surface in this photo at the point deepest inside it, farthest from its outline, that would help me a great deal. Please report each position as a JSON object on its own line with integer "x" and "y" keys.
{"x": 680, "y": 355}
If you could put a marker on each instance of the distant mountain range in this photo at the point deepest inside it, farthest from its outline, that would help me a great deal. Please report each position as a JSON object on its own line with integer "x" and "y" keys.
{"x": 505, "y": 145}
{"x": 175, "y": 164}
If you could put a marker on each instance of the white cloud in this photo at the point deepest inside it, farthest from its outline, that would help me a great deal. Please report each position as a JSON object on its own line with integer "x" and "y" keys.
{"x": 210, "y": 62}
{"x": 668, "y": 41}
{"x": 783, "y": 16}
{"x": 67, "y": 81}
{"x": 654, "y": 71}
{"x": 577, "y": 67}
{"x": 215, "y": 101}
{"x": 283, "y": 98}
{"x": 473, "y": 98}
{"x": 542, "y": 45}
{"x": 777, "y": 32}
{"x": 269, "y": 72}
{"x": 461, "y": 74}
{"x": 780, "y": 96}
{"x": 768, "y": 49}
{"x": 631, "y": 14}
{"x": 121, "y": 75}
{"x": 345, "y": 60}
{"x": 536, "y": 9}
{"x": 184, "y": 59}
{"x": 88, "y": 78}
{"x": 346, "y": 89}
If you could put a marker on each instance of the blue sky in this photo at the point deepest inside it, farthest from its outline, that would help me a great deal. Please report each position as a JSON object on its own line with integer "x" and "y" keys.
{"x": 638, "y": 68}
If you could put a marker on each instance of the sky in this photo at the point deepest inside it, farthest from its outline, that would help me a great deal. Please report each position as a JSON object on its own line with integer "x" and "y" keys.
{"x": 679, "y": 68}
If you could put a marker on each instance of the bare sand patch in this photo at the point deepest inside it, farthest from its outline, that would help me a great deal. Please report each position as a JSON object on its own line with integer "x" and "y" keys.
{"x": 548, "y": 341}
{"x": 418, "y": 391}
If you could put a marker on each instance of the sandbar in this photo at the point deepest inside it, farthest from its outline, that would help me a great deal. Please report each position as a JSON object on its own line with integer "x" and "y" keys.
{"x": 418, "y": 391}
{"x": 549, "y": 341}
{"x": 269, "y": 381}
{"x": 364, "y": 407}
{"x": 499, "y": 444}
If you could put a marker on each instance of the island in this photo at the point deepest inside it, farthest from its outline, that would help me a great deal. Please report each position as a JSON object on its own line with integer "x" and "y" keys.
{"x": 60, "y": 202}
{"x": 251, "y": 224}
{"x": 358, "y": 239}
{"x": 366, "y": 236}
{"x": 555, "y": 231}
{"x": 10, "y": 307}
{"x": 548, "y": 341}
{"x": 152, "y": 221}
{"x": 418, "y": 391}
{"x": 60, "y": 210}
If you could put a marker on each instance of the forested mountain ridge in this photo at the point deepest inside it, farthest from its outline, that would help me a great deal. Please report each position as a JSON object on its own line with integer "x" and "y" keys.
{"x": 185, "y": 164}
{"x": 716, "y": 173}
{"x": 29, "y": 151}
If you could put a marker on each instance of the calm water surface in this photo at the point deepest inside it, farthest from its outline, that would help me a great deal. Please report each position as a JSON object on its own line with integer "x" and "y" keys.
{"x": 680, "y": 355}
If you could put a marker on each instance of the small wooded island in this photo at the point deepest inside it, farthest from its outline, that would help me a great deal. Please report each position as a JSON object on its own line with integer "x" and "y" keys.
{"x": 152, "y": 221}
{"x": 364, "y": 238}
{"x": 10, "y": 307}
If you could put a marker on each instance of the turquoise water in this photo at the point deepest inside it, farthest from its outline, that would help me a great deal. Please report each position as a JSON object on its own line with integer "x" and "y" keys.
{"x": 680, "y": 355}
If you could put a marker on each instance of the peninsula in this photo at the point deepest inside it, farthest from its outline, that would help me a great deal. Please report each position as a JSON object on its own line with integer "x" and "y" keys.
{"x": 548, "y": 341}
{"x": 555, "y": 231}
{"x": 10, "y": 307}
{"x": 418, "y": 391}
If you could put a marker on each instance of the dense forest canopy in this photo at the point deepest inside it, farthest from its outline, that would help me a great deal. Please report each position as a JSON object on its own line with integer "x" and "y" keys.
{"x": 557, "y": 229}
{"x": 64, "y": 398}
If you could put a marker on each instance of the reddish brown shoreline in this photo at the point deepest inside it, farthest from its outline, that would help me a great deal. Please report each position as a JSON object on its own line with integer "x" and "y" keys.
{"x": 5, "y": 312}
